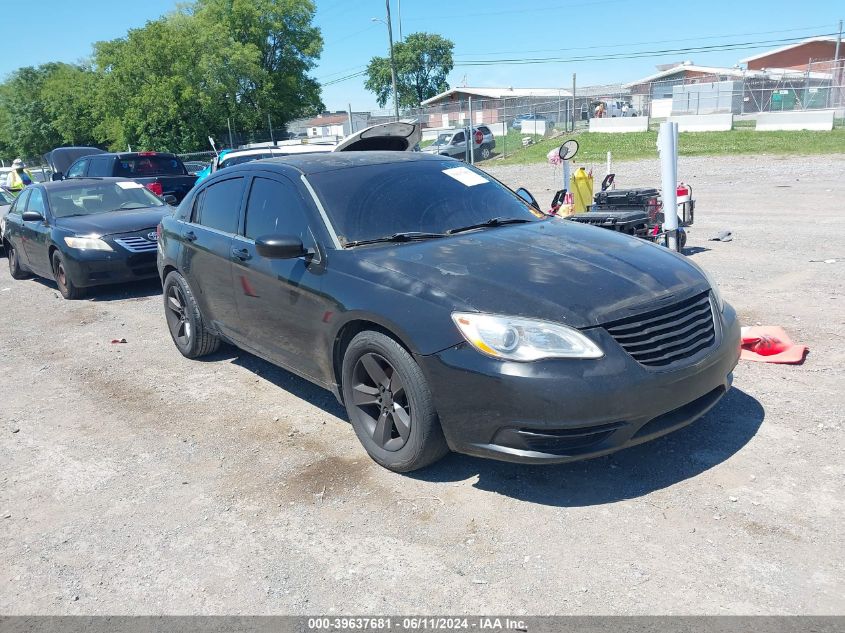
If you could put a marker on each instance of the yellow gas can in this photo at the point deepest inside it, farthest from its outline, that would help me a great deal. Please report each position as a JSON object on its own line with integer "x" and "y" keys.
{"x": 581, "y": 186}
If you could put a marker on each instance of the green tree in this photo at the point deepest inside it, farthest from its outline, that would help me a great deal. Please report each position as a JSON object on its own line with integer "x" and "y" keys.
{"x": 28, "y": 124}
{"x": 422, "y": 61}
{"x": 68, "y": 94}
{"x": 276, "y": 45}
{"x": 171, "y": 83}
{"x": 151, "y": 94}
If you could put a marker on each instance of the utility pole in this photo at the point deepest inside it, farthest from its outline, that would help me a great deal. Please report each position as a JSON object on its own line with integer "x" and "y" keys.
{"x": 270, "y": 125}
{"x": 399, "y": 17}
{"x": 392, "y": 63}
{"x": 229, "y": 123}
{"x": 573, "y": 102}
{"x": 837, "y": 73}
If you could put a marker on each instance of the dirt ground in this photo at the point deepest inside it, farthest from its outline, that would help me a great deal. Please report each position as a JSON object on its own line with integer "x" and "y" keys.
{"x": 135, "y": 481}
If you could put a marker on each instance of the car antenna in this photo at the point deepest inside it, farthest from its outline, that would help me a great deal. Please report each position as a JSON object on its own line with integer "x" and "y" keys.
{"x": 216, "y": 153}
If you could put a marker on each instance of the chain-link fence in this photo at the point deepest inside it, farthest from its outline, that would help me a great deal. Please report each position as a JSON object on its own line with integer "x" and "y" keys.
{"x": 818, "y": 85}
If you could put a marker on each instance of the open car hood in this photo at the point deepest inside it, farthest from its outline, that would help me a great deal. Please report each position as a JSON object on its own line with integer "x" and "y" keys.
{"x": 399, "y": 136}
{"x": 62, "y": 157}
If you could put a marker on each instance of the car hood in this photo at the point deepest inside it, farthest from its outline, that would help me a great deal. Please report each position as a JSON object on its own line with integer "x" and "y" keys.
{"x": 557, "y": 270}
{"x": 122, "y": 221}
{"x": 63, "y": 157}
{"x": 400, "y": 136}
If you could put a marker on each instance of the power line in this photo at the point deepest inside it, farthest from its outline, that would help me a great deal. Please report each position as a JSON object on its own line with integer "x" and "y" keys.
{"x": 606, "y": 46}
{"x": 568, "y": 5}
{"x": 340, "y": 72}
{"x": 634, "y": 54}
{"x": 346, "y": 78}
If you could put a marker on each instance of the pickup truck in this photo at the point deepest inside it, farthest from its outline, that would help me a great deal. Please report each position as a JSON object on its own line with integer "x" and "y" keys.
{"x": 162, "y": 173}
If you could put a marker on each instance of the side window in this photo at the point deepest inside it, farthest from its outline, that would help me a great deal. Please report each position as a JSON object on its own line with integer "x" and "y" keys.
{"x": 77, "y": 170}
{"x": 36, "y": 202}
{"x": 221, "y": 204}
{"x": 275, "y": 207}
{"x": 195, "y": 207}
{"x": 20, "y": 202}
{"x": 100, "y": 166}
{"x": 458, "y": 138}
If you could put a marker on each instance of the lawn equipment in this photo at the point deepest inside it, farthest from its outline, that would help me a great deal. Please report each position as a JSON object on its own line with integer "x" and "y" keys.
{"x": 637, "y": 212}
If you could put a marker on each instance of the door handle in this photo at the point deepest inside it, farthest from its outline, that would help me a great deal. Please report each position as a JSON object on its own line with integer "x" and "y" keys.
{"x": 190, "y": 236}
{"x": 241, "y": 254}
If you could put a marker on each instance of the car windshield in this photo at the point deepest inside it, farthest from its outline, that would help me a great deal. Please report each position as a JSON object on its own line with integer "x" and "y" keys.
{"x": 100, "y": 198}
{"x": 443, "y": 139}
{"x": 149, "y": 165}
{"x": 6, "y": 197}
{"x": 372, "y": 201}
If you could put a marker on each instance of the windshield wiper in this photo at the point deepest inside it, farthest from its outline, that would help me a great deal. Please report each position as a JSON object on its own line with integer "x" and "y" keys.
{"x": 490, "y": 222}
{"x": 408, "y": 236}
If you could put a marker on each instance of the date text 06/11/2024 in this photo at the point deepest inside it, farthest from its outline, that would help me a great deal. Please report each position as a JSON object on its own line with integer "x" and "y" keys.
{"x": 416, "y": 623}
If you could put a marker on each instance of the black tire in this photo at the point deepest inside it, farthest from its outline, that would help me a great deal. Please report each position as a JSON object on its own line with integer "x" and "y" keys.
{"x": 398, "y": 427}
{"x": 184, "y": 321}
{"x": 485, "y": 152}
{"x": 64, "y": 281}
{"x": 15, "y": 268}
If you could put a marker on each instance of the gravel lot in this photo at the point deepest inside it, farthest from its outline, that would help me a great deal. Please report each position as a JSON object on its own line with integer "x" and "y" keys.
{"x": 135, "y": 481}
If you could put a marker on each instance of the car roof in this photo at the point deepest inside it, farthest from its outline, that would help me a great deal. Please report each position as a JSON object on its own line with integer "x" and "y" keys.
{"x": 317, "y": 163}
{"x": 58, "y": 185}
{"x": 142, "y": 154}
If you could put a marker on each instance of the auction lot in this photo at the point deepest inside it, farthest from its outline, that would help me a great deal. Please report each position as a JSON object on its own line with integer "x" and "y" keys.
{"x": 135, "y": 481}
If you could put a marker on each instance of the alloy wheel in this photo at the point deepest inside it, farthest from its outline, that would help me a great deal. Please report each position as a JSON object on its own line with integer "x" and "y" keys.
{"x": 381, "y": 402}
{"x": 61, "y": 275}
{"x": 177, "y": 316}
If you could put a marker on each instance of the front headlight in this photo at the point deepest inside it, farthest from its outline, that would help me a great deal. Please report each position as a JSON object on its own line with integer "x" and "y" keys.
{"x": 516, "y": 338}
{"x": 87, "y": 243}
{"x": 714, "y": 288}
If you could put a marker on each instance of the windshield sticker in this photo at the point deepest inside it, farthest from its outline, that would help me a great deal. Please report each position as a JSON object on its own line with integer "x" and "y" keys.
{"x": 465, "y": 176}
{"x": 129, "y": 185}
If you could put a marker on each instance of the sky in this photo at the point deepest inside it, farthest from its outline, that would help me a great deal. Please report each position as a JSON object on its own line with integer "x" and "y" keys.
{"x": 482, "y": 30}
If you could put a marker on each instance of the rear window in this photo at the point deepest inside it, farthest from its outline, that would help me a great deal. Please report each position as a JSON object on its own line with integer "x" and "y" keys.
{"x": 142, "y": 166}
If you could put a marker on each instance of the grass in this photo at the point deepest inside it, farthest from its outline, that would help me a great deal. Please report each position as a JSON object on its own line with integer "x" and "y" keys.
{"x": 637, "y": 145}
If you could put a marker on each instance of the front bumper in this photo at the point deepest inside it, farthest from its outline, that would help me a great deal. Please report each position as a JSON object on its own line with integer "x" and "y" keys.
{"x": 564, "y": 410}
{"x": 97, "y": 268}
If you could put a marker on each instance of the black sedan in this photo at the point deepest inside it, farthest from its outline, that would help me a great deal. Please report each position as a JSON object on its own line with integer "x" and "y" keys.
{"x": 84, "y": 232}
{"x": 444, "y": 310}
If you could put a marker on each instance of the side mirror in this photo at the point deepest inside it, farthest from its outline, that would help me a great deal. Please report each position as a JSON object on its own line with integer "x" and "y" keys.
{"x": 523, "y": 193}
{"x": 280, "y": 247}
{"x": 32, "y": 216}
{"x": 57, "y": 175}
{"x": 170, "y": 199}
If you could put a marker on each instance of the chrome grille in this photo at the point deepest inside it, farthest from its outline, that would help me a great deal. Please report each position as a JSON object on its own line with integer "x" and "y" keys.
{"x": 137, "y": 244}
{"x": 669, "y": 334}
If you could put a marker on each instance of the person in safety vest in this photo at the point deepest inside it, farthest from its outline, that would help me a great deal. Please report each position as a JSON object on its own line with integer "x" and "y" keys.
{"x": 19, "y": 177}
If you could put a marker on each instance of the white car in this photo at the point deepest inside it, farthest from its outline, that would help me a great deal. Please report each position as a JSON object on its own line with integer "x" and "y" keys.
{"x": 397, "y": 136}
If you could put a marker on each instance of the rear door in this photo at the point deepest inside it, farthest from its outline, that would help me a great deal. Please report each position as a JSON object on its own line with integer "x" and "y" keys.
{"x": 36, "y": 234}
{"x": 207, "y": 256}
{"x": 279, "y": 302}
